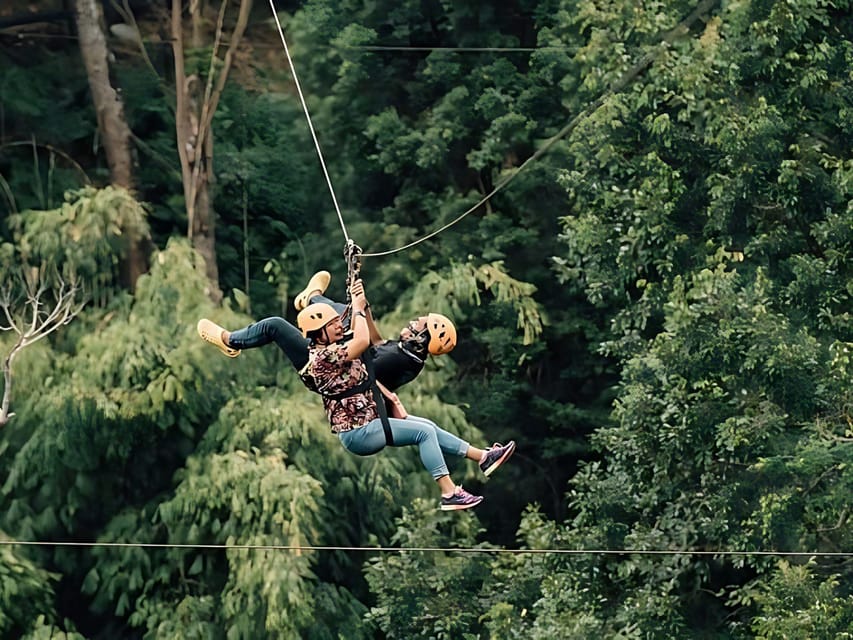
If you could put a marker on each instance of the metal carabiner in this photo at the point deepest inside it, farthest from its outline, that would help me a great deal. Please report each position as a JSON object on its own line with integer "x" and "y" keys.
{"x": 352, "y": 254}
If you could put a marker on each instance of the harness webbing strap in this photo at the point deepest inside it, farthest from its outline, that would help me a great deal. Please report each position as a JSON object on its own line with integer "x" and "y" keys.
{"x": 369, "y": 385}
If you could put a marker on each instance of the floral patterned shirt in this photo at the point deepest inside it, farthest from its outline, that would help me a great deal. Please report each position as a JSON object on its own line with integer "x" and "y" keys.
{"x": 332, "y": 373}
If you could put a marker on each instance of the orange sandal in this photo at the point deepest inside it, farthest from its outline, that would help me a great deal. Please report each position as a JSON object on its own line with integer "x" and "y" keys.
{"x": 318, "y": 282}
{"x": 212, "y": 333}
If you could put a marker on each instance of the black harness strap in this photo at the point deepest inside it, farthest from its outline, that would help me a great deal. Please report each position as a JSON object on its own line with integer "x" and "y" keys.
{"x": 369, "y": 385}
{"x": 352, "y": 254}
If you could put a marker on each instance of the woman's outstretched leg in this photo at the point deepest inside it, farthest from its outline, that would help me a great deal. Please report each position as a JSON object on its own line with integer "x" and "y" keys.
{"x": 273, "y": 329}
{"x": 424, "y": 434}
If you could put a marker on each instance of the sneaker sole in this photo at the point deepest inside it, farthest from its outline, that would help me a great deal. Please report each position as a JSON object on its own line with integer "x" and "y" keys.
{"x": 499, "y": 461}
{"x": 459, "y": 507}
{"x": 318, "y": 282}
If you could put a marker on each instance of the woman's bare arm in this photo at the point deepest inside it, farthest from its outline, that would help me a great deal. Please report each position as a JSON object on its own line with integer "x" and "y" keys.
{"x": 358, "y": 322}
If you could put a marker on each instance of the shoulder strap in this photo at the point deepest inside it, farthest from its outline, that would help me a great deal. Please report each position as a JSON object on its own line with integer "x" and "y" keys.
{"x": 369, "y": 384}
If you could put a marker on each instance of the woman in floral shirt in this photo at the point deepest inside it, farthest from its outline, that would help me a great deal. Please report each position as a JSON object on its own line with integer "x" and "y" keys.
{"x": 337, "y": 368}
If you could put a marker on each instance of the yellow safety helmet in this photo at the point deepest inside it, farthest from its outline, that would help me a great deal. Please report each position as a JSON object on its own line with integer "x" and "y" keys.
{"x": 315, "y": 316}
{"x": 442, "y": 334}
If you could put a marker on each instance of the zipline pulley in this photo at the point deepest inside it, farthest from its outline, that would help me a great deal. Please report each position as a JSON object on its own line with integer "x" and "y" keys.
{"x": 352, "y": 256}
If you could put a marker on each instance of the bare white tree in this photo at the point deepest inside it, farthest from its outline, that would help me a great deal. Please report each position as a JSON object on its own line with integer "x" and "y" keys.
{"x": 34, "y": 304}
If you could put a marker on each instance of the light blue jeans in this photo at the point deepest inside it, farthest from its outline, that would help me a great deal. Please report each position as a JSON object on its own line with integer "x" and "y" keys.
{"x": 432, "y": 441}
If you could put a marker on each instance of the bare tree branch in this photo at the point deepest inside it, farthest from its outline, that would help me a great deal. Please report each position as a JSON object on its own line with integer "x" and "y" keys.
{"x": 212, "y": 98}
{"x": 6, "y": 303}
{"x": 28, "y": 297}
{"x": 196, "y": 101}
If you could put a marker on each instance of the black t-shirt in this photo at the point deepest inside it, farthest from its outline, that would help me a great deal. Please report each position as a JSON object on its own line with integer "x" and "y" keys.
{"x": 393, "y": 366}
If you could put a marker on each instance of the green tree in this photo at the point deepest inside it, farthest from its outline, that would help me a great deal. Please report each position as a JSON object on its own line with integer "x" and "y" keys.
{"x": 420, "y": 594}
{"x": 102, "y": 422}
{"x": 56, "y": 265}
{"x": 701, "y": 202}
{"x": 796, "y": 603}
{"x": 25, "y": 591}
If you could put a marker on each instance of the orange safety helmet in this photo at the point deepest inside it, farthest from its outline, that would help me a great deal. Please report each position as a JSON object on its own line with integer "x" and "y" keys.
{"x": 442, "y": 334}
{"x": 315, "y": 316}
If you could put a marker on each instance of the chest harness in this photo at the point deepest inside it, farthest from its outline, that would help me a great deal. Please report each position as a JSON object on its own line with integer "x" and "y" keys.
{"x": 352, "y": 253}
{"x": 368, "y": 384}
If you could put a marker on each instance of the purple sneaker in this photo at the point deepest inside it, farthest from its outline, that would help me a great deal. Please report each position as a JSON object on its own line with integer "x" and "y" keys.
{"x": 496, "y": 456}
{"x": 461, "y": 499}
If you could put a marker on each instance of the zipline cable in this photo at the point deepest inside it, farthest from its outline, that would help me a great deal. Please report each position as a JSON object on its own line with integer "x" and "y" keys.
{"x": 308, "y": 117}
{"x": 379, "y": 47}
{"x": 615, "y": 88}
{"x": 300, "y": 548}
{"x": 17, "y": 35}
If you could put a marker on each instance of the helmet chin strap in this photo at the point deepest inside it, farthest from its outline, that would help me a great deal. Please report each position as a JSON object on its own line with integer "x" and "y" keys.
{"x": 326, "y": 333}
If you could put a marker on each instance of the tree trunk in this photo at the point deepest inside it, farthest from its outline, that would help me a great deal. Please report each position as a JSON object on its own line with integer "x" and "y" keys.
{"x": 196, "y": 103}
{"x": 195, "y": 150}
{"x": 112, "y": 124}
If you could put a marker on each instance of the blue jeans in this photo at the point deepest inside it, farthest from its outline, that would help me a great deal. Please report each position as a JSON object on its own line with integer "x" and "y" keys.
{"x": 275, "y": 329}
{"x": 432, "y": 441}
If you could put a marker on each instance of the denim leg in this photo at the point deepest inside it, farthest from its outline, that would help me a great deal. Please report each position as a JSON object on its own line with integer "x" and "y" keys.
{"x": 450, "y": 444}
{"x": 430, "y": 440}
{"x": 274, "y": 329}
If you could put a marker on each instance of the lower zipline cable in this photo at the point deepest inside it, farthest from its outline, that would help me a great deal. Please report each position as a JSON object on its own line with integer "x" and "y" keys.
{"x": 300, "y": 548}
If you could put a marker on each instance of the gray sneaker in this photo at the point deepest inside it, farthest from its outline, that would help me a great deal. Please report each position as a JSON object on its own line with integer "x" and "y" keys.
{"x": 496, "y": 456}
{"x": 461, "y": 499}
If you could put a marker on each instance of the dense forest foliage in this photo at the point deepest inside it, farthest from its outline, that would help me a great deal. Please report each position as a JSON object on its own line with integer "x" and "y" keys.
{"x": 656, "y": 307}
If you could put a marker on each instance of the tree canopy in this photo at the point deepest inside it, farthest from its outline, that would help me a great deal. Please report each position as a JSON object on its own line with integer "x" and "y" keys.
{"x": 657, "y": 309}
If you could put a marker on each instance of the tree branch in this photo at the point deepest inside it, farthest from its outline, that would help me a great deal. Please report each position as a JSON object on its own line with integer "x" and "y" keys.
{"x": 182, "y": 110}
{"x": 35, "y": 283}
{"x": 236, "y": 38}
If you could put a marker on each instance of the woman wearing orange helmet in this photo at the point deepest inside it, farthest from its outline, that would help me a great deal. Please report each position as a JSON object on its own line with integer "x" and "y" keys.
{"x": 340, "y": 372}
